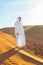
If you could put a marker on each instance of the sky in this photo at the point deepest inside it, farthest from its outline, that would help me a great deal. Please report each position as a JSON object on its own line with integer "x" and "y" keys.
{"x": 31, "y": 12}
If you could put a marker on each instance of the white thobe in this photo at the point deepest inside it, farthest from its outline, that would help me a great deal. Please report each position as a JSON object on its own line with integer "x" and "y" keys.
{"x": 20, "y": 38}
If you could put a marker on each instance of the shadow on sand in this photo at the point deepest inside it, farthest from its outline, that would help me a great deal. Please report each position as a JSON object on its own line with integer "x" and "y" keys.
{"x": 11, "y": 52}
{"x": 7, "y": 55}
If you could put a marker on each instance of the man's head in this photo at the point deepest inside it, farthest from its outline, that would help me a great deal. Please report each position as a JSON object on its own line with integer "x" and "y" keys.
{"x": 19, "y": 18}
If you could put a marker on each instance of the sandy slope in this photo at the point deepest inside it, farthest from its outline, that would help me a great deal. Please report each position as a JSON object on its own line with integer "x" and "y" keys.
{"x": 35, "y": 44}
{"x": 11, "y": 30}
{"x": 34, "y": 38}
{"x": 7, "y": 42}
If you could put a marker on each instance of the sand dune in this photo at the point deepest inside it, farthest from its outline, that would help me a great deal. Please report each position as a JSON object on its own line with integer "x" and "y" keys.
{"x": 7, "y": 55}
{"x": 34, "y": 39}
{"x": 11, "y": 30}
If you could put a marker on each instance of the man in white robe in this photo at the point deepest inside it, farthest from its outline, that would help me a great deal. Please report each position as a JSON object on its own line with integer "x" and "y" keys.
{"x": 19, "y": 33}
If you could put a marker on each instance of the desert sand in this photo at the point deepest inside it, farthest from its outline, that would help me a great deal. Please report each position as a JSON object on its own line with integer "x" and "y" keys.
{"x": 7, "y": 54}
{"x": 34, "y": 38}
{"x": 8, "y": 42}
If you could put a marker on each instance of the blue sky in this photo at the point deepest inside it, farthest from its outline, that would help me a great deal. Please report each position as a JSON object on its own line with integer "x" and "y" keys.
{"x": 11, "y": 9}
